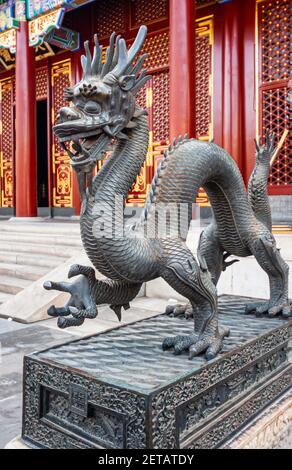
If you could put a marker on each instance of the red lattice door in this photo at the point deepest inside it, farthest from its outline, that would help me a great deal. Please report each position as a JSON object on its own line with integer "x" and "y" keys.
{"x": 155, "y": 98}
{"x": 275, "y": 94}
{"x": 7, "y": 142}
{"x": 62, "y": 173}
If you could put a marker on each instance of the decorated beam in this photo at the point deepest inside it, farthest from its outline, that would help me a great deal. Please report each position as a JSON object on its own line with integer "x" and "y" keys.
{"x": 7, "y": 15}
{"x": 44, "y": 24}
{"x": 8, "y": 23}
{"x": 48, "y": 28}
{"x": 37, "y": 7}
{"x": 64, "y": 38}
{"x": 7, "y": 60}
{"x": 8, "y": 40}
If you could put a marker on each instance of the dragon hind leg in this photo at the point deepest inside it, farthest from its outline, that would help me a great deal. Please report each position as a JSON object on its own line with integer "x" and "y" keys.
{"x": 194, "y": 282}
{"x": 269, "y": 258}
{"x": 211, "y": 250}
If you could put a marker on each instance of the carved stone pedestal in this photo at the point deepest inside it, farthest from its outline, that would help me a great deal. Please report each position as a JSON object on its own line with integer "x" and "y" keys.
{"x": 120, "y": 390}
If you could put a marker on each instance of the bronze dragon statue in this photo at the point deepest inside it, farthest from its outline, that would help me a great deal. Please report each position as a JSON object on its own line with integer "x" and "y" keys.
{"x": 105, "y": 115}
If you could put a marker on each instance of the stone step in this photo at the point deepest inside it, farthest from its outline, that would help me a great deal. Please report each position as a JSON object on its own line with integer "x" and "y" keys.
{"x": 4, "y": 296}
{"x": 31, "y": 273}
{"x": 40, "y": 239}
{"x": 12, "y": 285}
{"x": 41, "y": 228}
{"x": 31, "y": 259}
{"x": 29, "y": 253}
{"x": 36, "y": 248}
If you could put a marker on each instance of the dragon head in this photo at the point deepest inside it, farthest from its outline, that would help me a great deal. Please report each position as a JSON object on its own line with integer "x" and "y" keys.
{"x": 265, "y": 152}
{"x": 102, "y": 104}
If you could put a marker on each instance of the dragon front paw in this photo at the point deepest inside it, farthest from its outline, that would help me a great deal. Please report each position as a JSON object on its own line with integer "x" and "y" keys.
{"x": 80, "y": 304}
{"x": 174, "y": 310}
{"x": 285, "y": 309}
{"x": 196, "y": 344}
{"x": 270, "y": 308}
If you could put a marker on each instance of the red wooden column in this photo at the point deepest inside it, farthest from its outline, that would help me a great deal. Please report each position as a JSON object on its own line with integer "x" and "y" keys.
{"x": 232, "y": 81}
{"x": 237, "y": 79}
{"x": 249, "y": 86}
{"x": 26, "y": 153}
{"x": 182, "y": 67}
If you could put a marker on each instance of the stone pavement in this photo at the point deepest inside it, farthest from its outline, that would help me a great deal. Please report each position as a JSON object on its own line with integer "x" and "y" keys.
{"x": 18, "y": 339}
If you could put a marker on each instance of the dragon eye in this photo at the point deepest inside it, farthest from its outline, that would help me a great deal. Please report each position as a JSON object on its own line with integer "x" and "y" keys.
{"x": 92, "y": 107}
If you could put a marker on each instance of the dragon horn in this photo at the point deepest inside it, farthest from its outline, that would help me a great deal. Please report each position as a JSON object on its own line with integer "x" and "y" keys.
{"x": 136, "y": 69}
{"x": 138, "y": 43}
{"x": 86, "y": 61}
{"x": 109, "y": 56}
{"x": 96, "y": 61}
{"x": 122, "y": 59}
{"x": 125, "y": 57}
{"x": 116, "y": 53}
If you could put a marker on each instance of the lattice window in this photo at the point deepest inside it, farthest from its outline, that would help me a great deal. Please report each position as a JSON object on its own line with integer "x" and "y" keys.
{"x": 160, "y": 106}
{"x": 276, "y": 23}
{"x": 148, "y": 11}
{"x": 112, "y": 16}
{"x": 274, "y": 71}
{"x": 157, "y": 48}
{"x": 41, "y": 83}
{"x": 204, "y": 77}
{"x": 7, "y": 143}
{"x": 275, "y": 117}
{"x": 155, "y": 98}
{"x": 141, "y": 98}
{"x": 62, "y": 176}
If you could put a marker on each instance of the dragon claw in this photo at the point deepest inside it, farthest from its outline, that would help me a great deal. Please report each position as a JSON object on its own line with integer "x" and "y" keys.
{"x": 174, "y": 310}
{"x": 67, "y": 322}
{"x": 52, "y": 311}
{"x": 285, "y": 310}
{"x": 80, "y": 305}
{"x": 195, "y": 344}
{"x": 269, "y": 308}
{"x": 58, "y": 311}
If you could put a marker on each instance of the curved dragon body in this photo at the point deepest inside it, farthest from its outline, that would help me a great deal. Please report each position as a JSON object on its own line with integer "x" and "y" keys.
{"x": 104, "y": 111}
{"x": 193, "y": 164}
{"x": 181, "y": 173}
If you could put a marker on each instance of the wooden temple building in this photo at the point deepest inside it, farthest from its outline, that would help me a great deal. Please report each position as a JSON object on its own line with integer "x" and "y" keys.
{"x": 220, "y": 69}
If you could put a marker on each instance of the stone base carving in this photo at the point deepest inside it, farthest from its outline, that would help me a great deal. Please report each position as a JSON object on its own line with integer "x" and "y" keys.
{"x": 118, "y": 389}
{"x": 272, "y": 429}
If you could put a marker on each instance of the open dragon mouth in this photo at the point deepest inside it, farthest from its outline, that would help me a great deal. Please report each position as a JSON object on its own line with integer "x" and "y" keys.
{"x": 87, "y": 147}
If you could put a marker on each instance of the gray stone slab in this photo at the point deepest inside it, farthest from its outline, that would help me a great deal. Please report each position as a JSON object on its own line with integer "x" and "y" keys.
{"x": 10, "y": 418}
{"x": 7, "y": 326}
{"x": 119, "y": 389}
{"x": 16, "y": 340}
{"x": 17, "y": 343}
